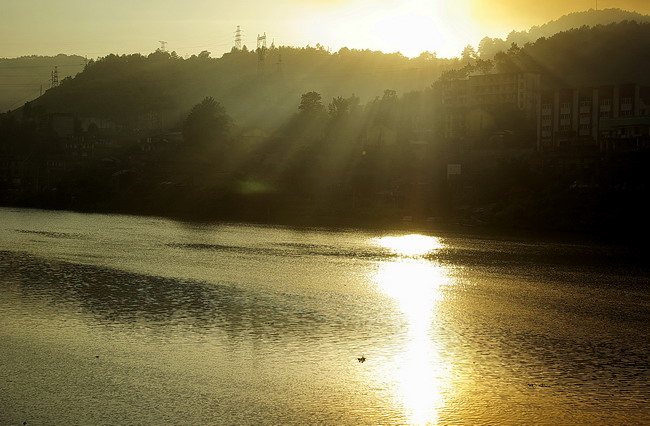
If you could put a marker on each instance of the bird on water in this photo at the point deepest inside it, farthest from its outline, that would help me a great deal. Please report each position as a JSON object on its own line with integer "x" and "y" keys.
{"x": 362, "y": 359}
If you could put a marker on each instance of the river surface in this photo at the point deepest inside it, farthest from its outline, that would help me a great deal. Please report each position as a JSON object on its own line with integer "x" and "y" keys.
{"x": 110, "y": 319}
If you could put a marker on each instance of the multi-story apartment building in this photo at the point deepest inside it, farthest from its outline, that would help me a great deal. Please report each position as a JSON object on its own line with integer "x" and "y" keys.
{"x": 613, "y": 117}
{"x": 469, "y": 105}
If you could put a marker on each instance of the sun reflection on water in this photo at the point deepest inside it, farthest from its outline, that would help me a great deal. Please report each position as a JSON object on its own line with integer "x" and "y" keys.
{"x": 419, "y": 373}
{"x": 410, "y": 245}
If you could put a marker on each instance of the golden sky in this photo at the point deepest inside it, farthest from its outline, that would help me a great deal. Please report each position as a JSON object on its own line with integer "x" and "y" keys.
{"x": 97, "y": 28}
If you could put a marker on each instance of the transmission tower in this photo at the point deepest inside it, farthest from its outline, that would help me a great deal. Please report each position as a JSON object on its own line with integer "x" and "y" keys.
{"x": 261, "y": 52}
{"x": 238, "y": 38}
{"x": 54, "y": 78}
{"x": 163, "y": 45}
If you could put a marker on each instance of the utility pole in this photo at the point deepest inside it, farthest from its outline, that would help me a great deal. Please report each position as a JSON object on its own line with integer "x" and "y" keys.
{"x": 238, "y": 38}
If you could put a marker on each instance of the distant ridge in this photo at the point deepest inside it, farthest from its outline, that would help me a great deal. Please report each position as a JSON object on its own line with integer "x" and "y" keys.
{"x": 590, "y": 18}
{"x": 575, "y": 20}
{"x": 21, "y": 79}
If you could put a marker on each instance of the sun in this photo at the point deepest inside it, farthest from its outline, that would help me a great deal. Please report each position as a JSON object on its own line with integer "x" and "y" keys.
{"x": 406, "y": 26}
{"x": 409, "y": 27}
{"x": 407, "y": 32}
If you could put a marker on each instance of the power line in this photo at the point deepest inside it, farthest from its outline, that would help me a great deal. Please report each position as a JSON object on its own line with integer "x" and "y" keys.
{"x": 37, "y": 66}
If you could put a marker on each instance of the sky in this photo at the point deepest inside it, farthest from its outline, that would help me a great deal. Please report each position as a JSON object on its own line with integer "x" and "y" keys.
{"x": 95, "y": 28}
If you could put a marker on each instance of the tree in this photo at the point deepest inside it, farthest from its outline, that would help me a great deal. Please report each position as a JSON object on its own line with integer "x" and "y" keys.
{"x": 207, "y": 124}
{"x": 484, "y": 66}
{"x": 339, "y": 107}
{"x": 310, "y": 103}
{"x": 488, "y": 47}
{"x": 427, "y": 56}
{"x": 469, "y": 53}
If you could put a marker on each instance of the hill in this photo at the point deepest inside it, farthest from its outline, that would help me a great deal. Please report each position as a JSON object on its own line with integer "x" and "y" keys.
{"x": 488, "y": 47}
{"x": 22, "y": 79}
{"x": 582, "y": 57}
{"x": 128, "y": 88}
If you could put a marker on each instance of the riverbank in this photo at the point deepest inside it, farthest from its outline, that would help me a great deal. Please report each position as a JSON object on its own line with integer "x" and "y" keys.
{"x": 378, "y": 220}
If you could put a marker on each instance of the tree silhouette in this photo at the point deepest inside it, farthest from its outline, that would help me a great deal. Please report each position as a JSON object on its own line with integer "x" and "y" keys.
{"x": 310, "y": 103}
{"x": 339, "y": 107}
{"x": 207, "y": 124}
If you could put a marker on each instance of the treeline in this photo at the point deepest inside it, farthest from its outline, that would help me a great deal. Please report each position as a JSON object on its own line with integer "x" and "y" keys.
{"x": 581, "y": 57}
{"x": 256, "y": 93}
{"x": 335, "y": 159}
{"x": 127, "y": 87}
{"x": 488, "y": 47}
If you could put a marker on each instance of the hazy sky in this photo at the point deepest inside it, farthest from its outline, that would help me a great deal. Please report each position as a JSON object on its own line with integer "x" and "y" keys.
{"x": 97, "y": 28}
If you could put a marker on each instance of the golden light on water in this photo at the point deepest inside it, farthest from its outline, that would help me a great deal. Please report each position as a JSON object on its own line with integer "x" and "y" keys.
{"x": 410, "y": 245}
{"x": 419, "y": 374}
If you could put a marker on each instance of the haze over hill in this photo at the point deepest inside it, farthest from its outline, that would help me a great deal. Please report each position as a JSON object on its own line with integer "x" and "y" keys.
{"x": 128, "y": 89}
{"x": 364, "y": 73}
{"x": 22, "y": 79}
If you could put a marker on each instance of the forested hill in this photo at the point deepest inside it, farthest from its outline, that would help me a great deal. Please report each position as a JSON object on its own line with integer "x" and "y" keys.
{"x": 591, "y": 18}
{"x": 122, "y": 88}
{"x": 21, "y": 79}
{"x": 583, "y": 57}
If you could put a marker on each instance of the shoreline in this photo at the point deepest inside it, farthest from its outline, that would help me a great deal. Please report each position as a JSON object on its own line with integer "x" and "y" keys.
{"x": 441, "y": 225}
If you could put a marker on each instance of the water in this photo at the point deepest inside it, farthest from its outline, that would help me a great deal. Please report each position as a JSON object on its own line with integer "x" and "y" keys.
{"x": 108, "y": 319}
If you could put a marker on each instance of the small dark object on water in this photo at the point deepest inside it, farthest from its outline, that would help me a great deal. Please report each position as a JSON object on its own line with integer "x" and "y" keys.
{"x": 96, "y": 356}
{"x": 362, "y": 359}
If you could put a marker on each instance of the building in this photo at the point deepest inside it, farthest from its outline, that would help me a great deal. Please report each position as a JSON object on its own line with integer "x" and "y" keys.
{"x": 605, "y": 118}
{"x": 471, "y": 105}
